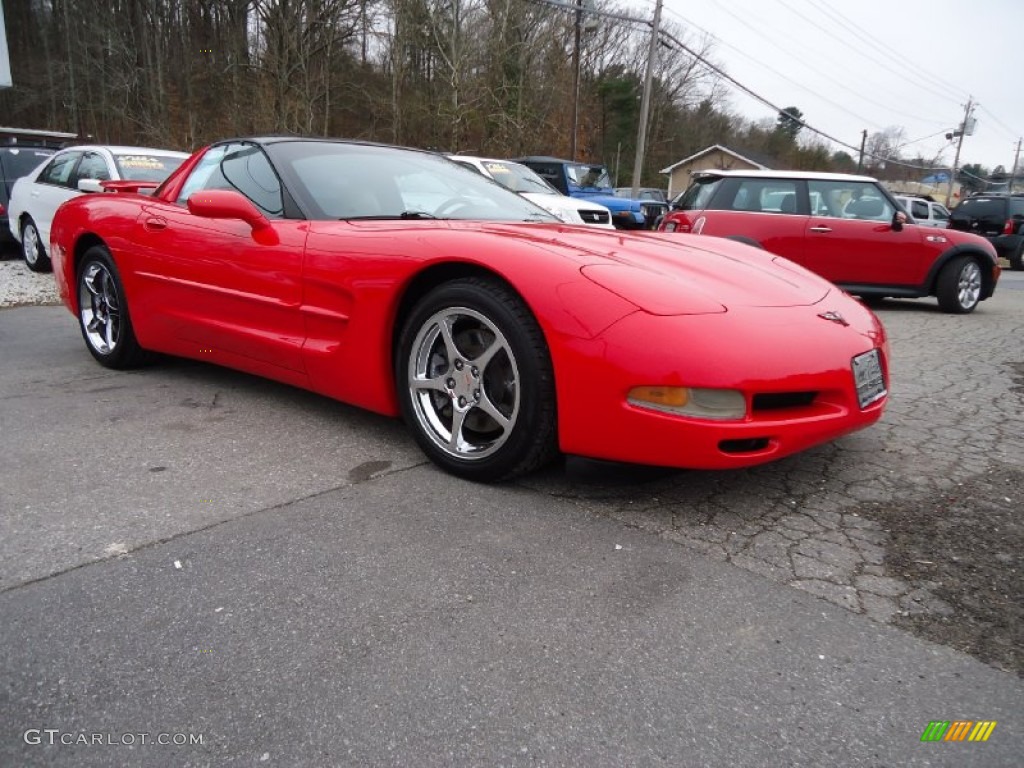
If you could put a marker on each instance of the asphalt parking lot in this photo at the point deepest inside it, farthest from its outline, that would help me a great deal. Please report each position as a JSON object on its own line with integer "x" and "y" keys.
{"x": 188, "y": 550}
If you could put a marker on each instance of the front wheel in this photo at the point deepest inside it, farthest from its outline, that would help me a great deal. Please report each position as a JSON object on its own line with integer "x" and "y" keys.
{"x": 959, "y": 286}
{"x": 475, "y": 381}
{"x": 32, "y": 248}
{"x": 103, "y": 312}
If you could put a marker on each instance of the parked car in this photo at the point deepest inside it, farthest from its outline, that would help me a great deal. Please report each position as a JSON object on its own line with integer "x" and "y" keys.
{"x": 923, "y": 211}
{"x": 524, "y": 181}
{"x": 21, "y": 151}
{"x": 394, "y": 280}
{"x": 592, "y": 183}
{"x": 15, "y": 162}
{"x": 846, "y": 228}
{"x": 997, "y": 218}
{"x": 70, "y": 172}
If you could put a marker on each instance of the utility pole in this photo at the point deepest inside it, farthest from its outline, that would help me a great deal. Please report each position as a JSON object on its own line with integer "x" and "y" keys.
{"x": 863, "y": 142}
{"x": 1013, "y": 173}
{"x": 959, "y": 144}
{"x": 645, "y": 103}
{"x": 576, "y": 79}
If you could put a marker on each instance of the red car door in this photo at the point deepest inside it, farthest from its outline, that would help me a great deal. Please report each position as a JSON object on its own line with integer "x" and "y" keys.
{"x": 850, "y": 237}
{"x": 214, "y": 288}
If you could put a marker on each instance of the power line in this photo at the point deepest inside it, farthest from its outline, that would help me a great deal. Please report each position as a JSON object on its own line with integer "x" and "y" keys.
{"x": 1009, "y": 131}
{"x": 800, "y": 61}
{"x": 771, "y": 69}
{"x": 944, "y": 94}
{"x": 733, "y": 81}
{"x": 781, "y": 111}
{"x": 920, "y": 72}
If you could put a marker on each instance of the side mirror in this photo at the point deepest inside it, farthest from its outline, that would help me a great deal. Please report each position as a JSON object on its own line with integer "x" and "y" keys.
{"x": 898, "y": 220}
{"x": 90, "y": 185}
{"x": 227, "y": 204}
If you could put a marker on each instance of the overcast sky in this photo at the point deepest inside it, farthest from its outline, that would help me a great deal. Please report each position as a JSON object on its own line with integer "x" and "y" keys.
{"x": 873, "y": 64}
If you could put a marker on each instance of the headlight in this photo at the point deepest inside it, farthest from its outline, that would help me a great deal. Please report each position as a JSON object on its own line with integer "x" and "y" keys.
{"x": 716, "y": 404}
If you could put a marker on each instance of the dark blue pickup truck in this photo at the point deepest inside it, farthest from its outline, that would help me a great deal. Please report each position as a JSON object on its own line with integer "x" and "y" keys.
{"x": 591, "y": 182}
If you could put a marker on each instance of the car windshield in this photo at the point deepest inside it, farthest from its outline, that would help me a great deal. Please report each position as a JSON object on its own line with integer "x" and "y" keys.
{"x": 336, "y": 180}
{"x": 518, "y": 177}
{"x": 146, "y": 167}
{"x": 589, "y": 177}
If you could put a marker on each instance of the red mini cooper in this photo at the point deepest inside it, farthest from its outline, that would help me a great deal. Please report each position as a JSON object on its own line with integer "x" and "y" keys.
{"x": 846, "y": 228}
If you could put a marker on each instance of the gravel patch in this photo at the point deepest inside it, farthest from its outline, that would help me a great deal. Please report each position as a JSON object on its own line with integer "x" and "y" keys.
{"x": 19, "y": 285}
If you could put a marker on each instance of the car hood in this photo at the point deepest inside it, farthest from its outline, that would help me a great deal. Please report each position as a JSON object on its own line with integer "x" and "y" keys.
{"x": 681, "y": 274}
{"x": 608, "y": 200}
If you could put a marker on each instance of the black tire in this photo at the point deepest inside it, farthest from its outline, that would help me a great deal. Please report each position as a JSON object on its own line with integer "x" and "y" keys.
{"x": 959, "y": 286}
{"x": 489, "y": 414}
{"x": 873, "y": 300}
{"x": 103, "y": 312}
{"x": 32, "y": 247}
{"x": 1017, "y": 257}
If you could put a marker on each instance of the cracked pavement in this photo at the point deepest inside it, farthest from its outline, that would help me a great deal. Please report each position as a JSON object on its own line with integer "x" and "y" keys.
{"x": 185, "y": 546}
{"x": 820, "y": 521}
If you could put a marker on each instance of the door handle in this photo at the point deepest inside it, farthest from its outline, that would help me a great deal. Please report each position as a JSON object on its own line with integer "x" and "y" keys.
{"x": 155, "y": 224}
{"x": 821, "y": 229}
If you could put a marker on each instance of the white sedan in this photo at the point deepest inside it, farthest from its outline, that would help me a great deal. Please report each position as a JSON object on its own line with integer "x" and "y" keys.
{"x": 68, "y": 173}
{"x": 527, "y": 183}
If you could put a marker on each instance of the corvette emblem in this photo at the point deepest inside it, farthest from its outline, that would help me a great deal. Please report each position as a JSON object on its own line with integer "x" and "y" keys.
{"x": 835, "y": 317}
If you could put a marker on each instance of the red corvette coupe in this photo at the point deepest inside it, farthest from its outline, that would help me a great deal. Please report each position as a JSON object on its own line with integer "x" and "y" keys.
{"x": 396, "y": 280}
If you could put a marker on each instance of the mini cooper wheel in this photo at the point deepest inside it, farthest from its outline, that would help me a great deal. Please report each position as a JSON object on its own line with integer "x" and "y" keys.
{"x": 959, "y": 286}
{"x": 32, "y": 248}
{"x": 103, "y": 312}
{"x": 475, "y": 381}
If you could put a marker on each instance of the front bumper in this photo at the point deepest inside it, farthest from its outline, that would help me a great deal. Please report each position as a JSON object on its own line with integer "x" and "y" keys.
{"x": 751, "y": 350}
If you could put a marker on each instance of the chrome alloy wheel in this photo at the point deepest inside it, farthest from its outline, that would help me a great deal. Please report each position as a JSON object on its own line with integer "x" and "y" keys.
{"x": 100, "y": 308}
{"x": 969, "y": 285}
{"x": 464, "y": 383}
{"x": 30, "y": 244}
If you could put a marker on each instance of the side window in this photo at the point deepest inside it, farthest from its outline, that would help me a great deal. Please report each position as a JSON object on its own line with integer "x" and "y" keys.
{"x": 852, "y": 200}
{"x": 240, "y": 167}
{"x": 919, "y": 209}
{"x": 767, "y": 195}
{"x": 201, "y": 173}
{"x": 58, "y": 171}
{"x": 940, "y": 212}
{"x": 93, "y": 166}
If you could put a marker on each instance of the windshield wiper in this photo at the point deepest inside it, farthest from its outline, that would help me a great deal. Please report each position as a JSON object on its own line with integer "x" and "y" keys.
{"x": 391, "y": 216}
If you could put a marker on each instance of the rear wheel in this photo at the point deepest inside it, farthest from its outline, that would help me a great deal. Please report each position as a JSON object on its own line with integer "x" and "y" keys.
{"x": 475, "y": 381}
{"x": 103, "y": 312}
{"x": 1017, "y": 257}
{"x": 959, "y": 286}
{"x": 32, "y": 247}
